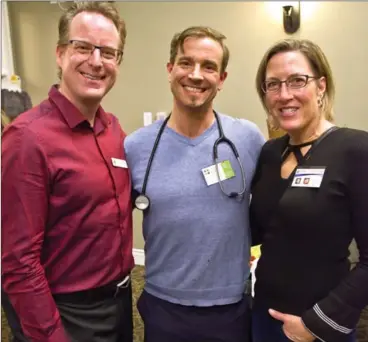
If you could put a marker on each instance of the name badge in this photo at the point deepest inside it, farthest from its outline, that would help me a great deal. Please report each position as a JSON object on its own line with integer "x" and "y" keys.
{"x": 119, "y": 163}
{"x": 225, "y": 172}
{"x": 308, "y": 178}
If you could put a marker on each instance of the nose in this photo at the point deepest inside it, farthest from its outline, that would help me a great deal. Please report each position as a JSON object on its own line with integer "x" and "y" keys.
{"x": 196, "y": 73}
{"x": 95, "y": 58}
{"x": 285, "y": 92}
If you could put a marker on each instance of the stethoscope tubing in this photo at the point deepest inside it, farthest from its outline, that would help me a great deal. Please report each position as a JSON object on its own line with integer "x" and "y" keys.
{"x": 221, "y": 139}
{"x": 153, "y": 153}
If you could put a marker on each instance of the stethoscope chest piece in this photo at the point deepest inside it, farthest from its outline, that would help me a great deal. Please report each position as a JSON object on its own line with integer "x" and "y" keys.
{"x": 142, "y": 202}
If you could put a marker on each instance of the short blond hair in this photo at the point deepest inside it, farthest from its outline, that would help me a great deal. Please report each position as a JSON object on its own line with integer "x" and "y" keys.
{"x": 177, "y": 42}
{"x": 318, "y": 62}
{"x": 105, "y": 8}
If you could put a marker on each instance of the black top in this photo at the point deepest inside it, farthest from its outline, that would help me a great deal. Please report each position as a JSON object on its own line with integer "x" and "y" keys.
{"x": 305, "y": 234}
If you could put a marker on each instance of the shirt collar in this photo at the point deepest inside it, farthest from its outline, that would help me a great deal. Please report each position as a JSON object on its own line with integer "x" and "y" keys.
{"x": 72, "y": 115}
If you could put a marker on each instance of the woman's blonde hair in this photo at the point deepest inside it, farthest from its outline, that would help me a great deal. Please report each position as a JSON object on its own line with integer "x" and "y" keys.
{"x": 317, "y": 61}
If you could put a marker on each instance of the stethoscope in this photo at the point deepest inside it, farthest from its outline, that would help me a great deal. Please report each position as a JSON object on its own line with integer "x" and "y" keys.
{"x": 142, "y": 202}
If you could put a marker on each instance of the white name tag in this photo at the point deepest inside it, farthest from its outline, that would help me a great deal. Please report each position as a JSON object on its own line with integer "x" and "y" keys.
{"x": 225, "y": 172}
{"x": 308, "y": 178}
{"x": 119, "y": 163}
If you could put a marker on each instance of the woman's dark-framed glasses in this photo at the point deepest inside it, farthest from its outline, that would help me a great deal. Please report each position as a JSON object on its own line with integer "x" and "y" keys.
{"x": 292, "y": 82}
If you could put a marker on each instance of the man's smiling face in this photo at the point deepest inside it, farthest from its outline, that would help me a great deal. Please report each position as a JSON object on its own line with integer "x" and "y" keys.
{"x": 196, "y": 74}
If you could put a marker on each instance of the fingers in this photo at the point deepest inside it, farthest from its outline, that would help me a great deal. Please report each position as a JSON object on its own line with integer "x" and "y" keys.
{"x": 277, "y": 315}
{"x": 290, "y": 337}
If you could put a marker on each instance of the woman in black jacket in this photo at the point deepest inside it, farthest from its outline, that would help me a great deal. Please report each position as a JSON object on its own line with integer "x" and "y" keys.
{"x": 309, "y": 200}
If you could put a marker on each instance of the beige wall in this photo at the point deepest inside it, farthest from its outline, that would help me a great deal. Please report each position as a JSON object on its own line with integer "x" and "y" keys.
{"x": 250, "y": 27}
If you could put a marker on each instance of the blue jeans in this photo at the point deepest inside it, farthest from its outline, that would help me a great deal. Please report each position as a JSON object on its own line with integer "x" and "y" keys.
{"x": 266, "y": 329}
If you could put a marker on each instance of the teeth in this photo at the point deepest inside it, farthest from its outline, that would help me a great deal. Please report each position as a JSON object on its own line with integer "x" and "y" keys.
{"x": 195, "y": 90}
{"x": 288, "y": 110}
{"x": 91, "y": 77}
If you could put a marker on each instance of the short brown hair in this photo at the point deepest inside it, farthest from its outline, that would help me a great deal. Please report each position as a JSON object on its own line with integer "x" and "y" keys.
{"x": 317, "y": 60}
{"x": 105, "y": 8}
{"x": 177, "y": 42}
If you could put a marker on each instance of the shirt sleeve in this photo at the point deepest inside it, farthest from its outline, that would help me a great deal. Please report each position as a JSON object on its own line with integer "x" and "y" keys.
{"x": 256, "y": 230}
{"x": 258, "y": 142}
{"x": 25, "y": 188}
{"x": 337, "y": 315}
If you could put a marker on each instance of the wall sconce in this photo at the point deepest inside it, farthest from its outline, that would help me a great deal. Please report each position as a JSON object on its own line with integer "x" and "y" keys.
{"x": 291, "y": 18}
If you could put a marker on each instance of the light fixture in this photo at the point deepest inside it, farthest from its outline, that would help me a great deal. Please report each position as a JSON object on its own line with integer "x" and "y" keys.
{"x": 291, "y": 18}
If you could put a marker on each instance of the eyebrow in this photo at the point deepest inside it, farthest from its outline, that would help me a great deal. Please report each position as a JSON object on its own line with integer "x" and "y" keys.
{"x": 295, "y": 74}
{"x": 100, "y": 46}
{"x": 212, "y": 63}
{"x": 191, "y": 59}
{"x": 184, "y": 58}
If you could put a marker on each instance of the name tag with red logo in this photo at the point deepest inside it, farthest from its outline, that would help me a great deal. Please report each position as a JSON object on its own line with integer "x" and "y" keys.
{"x": 308, "y": 177}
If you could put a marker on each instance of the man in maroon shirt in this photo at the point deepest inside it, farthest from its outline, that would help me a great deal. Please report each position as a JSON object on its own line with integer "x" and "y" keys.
{"x": 66, "y": 209}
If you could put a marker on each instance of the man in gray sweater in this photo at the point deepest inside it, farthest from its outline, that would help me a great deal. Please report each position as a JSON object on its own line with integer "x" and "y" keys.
{"x": 194, "y": 190}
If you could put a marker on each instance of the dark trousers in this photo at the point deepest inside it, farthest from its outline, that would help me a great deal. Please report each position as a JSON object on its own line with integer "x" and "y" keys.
{"x": 12, "y": 318}
{"x": 107, "y": 319}
{"x": 266, "y": 329}
{"x": 168, "y": 322}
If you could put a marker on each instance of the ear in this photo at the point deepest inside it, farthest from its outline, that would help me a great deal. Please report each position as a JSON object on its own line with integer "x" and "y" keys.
{"x": 321, "y": 86}
{"x": 169, "y": 67}
{"x": 60, "y": 52}
{"x": 222, "y": 80}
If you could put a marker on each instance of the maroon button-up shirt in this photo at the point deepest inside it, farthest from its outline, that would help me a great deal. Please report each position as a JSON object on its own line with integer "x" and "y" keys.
{"x": 66, "y": 210}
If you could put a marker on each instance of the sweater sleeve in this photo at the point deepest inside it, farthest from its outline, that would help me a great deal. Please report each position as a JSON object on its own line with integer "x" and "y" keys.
{"x": 336, "y": 316}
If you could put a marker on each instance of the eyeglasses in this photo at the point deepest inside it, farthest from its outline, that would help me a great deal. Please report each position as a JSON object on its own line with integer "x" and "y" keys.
{"x": 108, "y": 54}
{"x": 292, "y": 82}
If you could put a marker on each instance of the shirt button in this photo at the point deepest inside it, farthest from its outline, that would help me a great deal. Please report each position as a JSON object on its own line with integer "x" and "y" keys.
{"x": 117, "y": 197}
